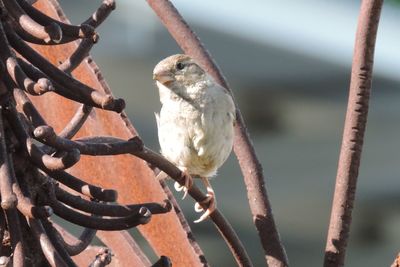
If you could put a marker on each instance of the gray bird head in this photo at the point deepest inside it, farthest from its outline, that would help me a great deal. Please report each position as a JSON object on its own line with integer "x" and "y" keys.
{"x": 178, "y": 70}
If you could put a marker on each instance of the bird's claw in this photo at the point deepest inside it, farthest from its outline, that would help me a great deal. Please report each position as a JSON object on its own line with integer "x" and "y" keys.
{"x": 187, "y": 184}
{"x": 211, "y": 204}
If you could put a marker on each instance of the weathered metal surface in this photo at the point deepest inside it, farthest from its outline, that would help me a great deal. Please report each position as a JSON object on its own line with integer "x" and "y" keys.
{"x": 131, "y": 177}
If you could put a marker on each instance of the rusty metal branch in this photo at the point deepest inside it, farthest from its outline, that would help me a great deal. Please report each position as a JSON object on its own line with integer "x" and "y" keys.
{"x": 25, "y": 204}
{"x": 31, "y": 113}
{"x": 74, "y": 31}
{"x": 30, "y": 28}
{"x": 86, "y": 189}
{"x": 103, "y": 209}
{"x": 81, "y": 52}
{"x": 251, "y": 168}
{"x": 58, "y": 245}
{"x": 218, "y": 219}
{"x": 36, "y": 74}
{"x": 14, "y": 228}
{"x": 35, "y": 154}
{"x": 77, "y": 121}
{"x": 353, "y": 134}
{"x": 50, "y": 253}
{"x": 101, "y": 13}
{"x": 141, "y": 216}
{"x": 16, "y": 73}
{"x": 104, "y": 145}
{"x": 105, "y": 101}
{"x": 73, "y": 245}
{"x": 8, "y": 198}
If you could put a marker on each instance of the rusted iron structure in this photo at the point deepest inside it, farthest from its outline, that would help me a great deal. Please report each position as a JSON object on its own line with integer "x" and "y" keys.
{"x": 58, "y": 113}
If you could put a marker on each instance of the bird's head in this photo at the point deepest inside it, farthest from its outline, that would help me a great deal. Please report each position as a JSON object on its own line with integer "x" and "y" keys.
{"x": 178, "y": 71}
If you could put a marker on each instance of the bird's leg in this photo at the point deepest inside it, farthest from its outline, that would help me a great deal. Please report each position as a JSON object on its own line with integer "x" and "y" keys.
{"x": 188, "y": 182}
{"x": 210, "y": 202}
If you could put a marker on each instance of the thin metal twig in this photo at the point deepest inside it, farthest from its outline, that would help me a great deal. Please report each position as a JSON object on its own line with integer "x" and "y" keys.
{"x": 51, "y": 254}
{"x": 353, "y": 134}
{"x": 104, "y": 101}
{"x": 104, "y": 146}
{"x": 103, "y": 209}
{"x": 73, "y": 245}
{"x": 14, "y": 227}
{"x": 30, "y": 28}
{"x": 220, "y": 222}
{"x": 86, "y": 189}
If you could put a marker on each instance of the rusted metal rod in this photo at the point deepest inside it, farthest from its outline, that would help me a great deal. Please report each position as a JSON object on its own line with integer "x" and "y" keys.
{"x": 101, "y": 13}
{"x": 73, "y": 245}
{"x": 92, "y": 191}
{"x": 76, "y": 122}
{"x": 104, "y": 209}
{"x": 8, "y": 198}
{"x": 74, "y": 31}
{"x": 104, "y": 101}
{"x": 117, "y": 146}
{"x": 49, "y": 33}
{"x": 353, "y": 134}
{"x": 223, "y": 226}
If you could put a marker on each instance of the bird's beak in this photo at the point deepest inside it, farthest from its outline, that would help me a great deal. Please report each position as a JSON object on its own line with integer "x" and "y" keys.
{"x": 163, "y": 76}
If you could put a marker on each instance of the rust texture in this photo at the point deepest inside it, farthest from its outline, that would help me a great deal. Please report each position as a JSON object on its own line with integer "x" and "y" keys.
{"x": 353, "y": 135}
{"x": 251, "y": 168}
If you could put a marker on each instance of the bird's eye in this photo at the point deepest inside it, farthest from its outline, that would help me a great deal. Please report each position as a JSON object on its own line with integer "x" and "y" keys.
{"x": 180, "y": 66}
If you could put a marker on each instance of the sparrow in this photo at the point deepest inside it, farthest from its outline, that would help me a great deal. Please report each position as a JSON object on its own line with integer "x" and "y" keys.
{"x": 195, "y": 124}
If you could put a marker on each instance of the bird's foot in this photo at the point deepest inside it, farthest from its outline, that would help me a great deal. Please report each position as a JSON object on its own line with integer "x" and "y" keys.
{"x": 210, "y": 202}
{"x": 188, "y": 182}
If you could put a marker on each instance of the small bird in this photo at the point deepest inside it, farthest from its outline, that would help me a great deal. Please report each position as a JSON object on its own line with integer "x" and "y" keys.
{"x": 195, "y": 124}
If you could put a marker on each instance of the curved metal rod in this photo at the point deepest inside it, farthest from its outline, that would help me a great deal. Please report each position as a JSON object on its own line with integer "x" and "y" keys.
{"x": 251, "y": 167}
{"x": 73, "y": 245}
{"x": 108, "y": 224}
{"x": 353, "y": 133}
{"x": 76, "y": 123}
{"x": 30, "y": 111}
{"x": 86, "y": 189}
{"x": 220, "y": 222}
{"x": 14, "y": 228}
{"x": 74, "y": 31}
{"x": 113, "y": 210}
{"x": 58, "y": 245}
{"x": 25, "y": 205}
{"x": 106, "y": 101}
{"x": 50, "y": 253}
{"x": 118, "y": 146}
{"x": 35, "y": 154}
{"x": 43, "y": 85}
{"x": 101, "y": 13}
{"x": 35, "y": 74}
{"x": 49, "y": 33}
{"x": 2, "y": 230}
{"x": 8, "y": 198}
{"x": 81, "y": 52}
{"x": 17, "y": 74}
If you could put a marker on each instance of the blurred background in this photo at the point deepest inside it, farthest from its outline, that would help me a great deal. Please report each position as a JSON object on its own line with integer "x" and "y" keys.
{"x": 288, "y": 63}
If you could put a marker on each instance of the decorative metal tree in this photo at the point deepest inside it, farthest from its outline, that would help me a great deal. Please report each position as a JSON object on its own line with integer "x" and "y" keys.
{"x": 33, "y": 158}
{"x": 49, "y": 85}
